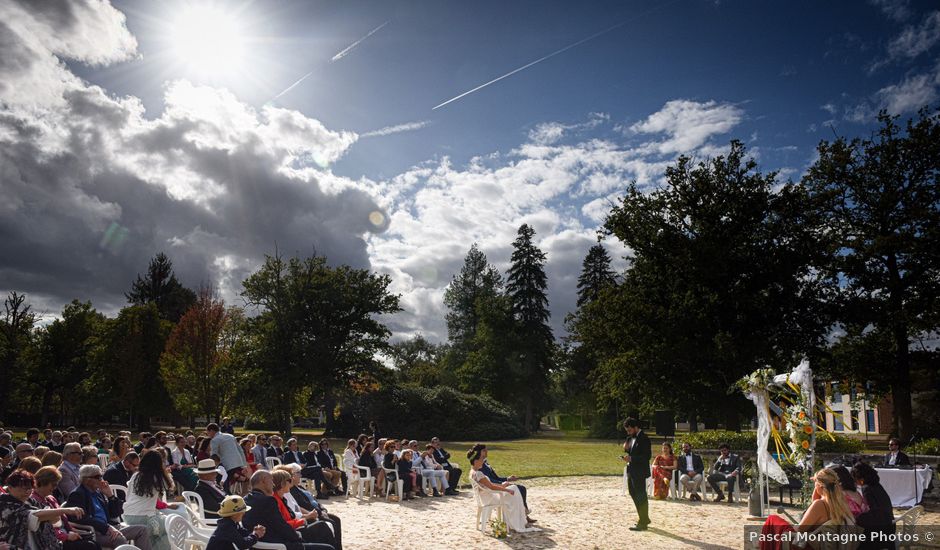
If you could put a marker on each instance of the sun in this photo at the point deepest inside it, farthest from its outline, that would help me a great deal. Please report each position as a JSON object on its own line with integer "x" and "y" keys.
{"x": 208, "y": 40}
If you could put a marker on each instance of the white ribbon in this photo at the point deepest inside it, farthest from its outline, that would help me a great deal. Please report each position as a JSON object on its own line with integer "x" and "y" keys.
{"x": 765, "y": 462}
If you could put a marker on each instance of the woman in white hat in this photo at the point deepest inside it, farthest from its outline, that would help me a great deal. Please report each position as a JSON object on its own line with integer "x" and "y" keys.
{"x": 229, "y": 529}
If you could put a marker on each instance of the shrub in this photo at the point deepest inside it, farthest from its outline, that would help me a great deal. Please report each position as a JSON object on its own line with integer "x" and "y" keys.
{"x": 711, "y": 439}
{"x": 925, "y": 447}
{"x": 842, "y": 444}
{"x": 421, "y": 413}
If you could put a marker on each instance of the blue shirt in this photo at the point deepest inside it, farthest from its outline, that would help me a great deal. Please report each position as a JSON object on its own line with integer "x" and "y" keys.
{"x": 99, "y": 512}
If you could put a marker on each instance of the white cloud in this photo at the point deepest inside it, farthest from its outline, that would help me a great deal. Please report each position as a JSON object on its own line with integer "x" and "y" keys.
{"x": 915, "y": 40}
{"x": 897, "y": 10}
{"x": 689, "y": 124}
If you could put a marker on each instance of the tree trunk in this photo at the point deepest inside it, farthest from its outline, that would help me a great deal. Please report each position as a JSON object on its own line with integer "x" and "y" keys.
{"x": 329, "y": 405}
{"x": 46, "y": 404}
{"x": 901, "y": 386}
{"x": 528, "y": 413}
{"x": 693, "y": 421}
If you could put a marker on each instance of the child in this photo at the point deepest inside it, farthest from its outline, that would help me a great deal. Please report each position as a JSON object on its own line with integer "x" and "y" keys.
{"x": 406, "y": 474}
{"x": 229, "y": 530}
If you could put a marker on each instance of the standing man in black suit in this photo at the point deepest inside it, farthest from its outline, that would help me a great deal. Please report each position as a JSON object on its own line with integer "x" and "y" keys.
{"x": 639, "y": 452}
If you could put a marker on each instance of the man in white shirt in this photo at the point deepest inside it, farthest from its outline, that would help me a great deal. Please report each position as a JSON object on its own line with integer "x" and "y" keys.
{"x": 895, "y": 456}
{"x": 691, "y": 471}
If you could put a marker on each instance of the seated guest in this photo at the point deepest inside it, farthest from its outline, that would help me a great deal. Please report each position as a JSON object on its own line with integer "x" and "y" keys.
{"x": 229, "y": 531}
{"x": 102, "y": 511}
{"x": 122, "y": 446}
{"x": 489, "y": 472}
{"x": 895, "y": 456}
{"x": 106, "y": 446}
{"x": 314, "y": 470}
{"x": 351, "y": 457}
{"x": 727, "y": 468}
{"x": 208, "y": 488}
{"x": 71, "y": 462}
{"x": 853, "y": 499}
{"x": 203, "y": 448}
{"x": 30, "y": 464}
{"x": 301, "y": 503}
{"x": 47, "y": 479}
{"x": 292, "y": 454}
{"x": 32, "y": 437}
{"x": 265, "y": 510}
{"x": 260, "y": 452}
{"x": 183, "y": 466}
{"x": 275, "y": 449}
{"x": 406, "y": 473}
{"x": 55, "y": 442}
{"x": 40, "y": 451}
{"x": 664, "y": 466}
{"x": 443, "y": 458}
{"x": 361, "y": 443}
{"x": 227, "y": 426}
{"x": 880, "y": 515}
{"x": 367, "y": 460}
{"x": 119, "y": 473}
{"x": 435, "y": 471}
{"x": 89, "y": 454}
{"x": 691, "y": 469}
{"x": 52, "y": 458}
{"x": 16, "y": 507}
{"x": 828, "y": 506}
{"x": 331, "y": 469}
{"x": 147, "y": 493}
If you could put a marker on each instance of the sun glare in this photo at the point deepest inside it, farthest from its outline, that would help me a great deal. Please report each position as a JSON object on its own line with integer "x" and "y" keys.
{"x": 208, "y": 40}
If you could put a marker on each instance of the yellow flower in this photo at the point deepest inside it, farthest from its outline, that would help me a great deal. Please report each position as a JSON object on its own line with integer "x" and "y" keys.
{"x": 808, "y": 429}
{"x": 806, "y": 444}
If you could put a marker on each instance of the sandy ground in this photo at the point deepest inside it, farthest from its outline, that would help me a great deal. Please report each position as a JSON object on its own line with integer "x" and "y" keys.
{"x": 573, "y": 512}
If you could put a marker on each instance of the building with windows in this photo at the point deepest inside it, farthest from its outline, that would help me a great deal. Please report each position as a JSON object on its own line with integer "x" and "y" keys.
{"x": 853, "y": 413}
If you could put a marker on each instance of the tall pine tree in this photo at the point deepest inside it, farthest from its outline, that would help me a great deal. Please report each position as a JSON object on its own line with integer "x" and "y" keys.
{"x": 596, "y": 275}
{"x": 161, "y": 287}
{"x": 526, "y": 290}
{"x": 477, "y": 280}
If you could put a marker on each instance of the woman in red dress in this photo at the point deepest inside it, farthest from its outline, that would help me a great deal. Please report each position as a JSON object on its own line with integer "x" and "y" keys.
{"x": 664, "y": 466}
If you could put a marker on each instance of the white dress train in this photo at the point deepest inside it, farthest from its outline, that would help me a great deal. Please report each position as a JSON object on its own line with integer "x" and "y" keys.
{"x": 514, "y": 510}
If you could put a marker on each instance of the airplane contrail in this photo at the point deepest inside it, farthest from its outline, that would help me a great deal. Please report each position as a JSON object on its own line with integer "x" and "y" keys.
{"x": 549, "y": 56}
{"x": 349, "y": 48}
{"x": 398, "y": 128}
{"x": 292, "y": 86}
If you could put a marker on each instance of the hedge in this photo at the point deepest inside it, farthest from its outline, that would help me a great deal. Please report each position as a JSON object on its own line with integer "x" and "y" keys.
{"x": 747, "y": 441}
{"x": 422, "y": 413}
{"x": 925, "y": 447}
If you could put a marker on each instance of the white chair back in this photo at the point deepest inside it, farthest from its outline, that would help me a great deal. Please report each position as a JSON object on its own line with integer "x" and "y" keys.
{"x": 103, "y": 461}
{"x": 120, "y": 491}
{"x": 194, "y": 500}
{"x": 127, "y": 547}
{"x": 272, "y": 461}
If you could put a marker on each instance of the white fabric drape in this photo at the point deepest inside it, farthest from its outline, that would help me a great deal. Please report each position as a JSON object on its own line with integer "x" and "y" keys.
{"x": 765, "y": 462}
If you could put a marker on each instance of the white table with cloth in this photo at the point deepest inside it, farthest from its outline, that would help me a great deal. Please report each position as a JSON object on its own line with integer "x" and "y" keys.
{"x": 900, "y": 484}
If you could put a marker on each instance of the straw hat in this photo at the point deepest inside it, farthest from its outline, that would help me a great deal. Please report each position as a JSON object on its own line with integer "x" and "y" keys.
{"x": 206, "y": 466}
{"x": 231, "y": 505}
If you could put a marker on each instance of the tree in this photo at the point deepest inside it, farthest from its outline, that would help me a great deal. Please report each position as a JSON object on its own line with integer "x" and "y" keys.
{"x": 477, "y": 279}
{"x": 319, "y": 324}
{"x": 193, "y": 365}
{"x": 526, "y": 284}
{"x": 596, "y": 275}
{"x": 161, "y": 287}
{"x": 420, "y": 363}
{"x": 15, "y": 335}
{"x": 126, "y": 366}
{"x": 879, "y": 199}
{"x": 64, "y": 355}
{"x": 722, "y": 281}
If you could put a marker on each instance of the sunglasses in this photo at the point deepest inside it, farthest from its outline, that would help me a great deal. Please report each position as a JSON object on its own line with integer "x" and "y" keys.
{"x": 95, "y": 477}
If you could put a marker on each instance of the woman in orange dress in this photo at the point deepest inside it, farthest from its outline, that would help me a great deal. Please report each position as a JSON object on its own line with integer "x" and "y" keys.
{"x": 664, "y": 466}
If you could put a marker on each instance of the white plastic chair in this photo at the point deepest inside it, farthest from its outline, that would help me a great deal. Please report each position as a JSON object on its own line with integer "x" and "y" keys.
{"x": 362, "y": 477}
{"x": 194, "y": 500}
{"x": 120, "y": 491}
{"x": 103, "y": 461}
{"x": 399, "y": 484}
{"x": 127, "y": 547}
{"x": 702, "y": 486}
{"x": 183, "y": 535}
{"x": 906, "y": 524}
{"x": 723, "y": 485}
{"x": 272, "y": 461}
{"x": 485, "y": 512}
{"x": 673, "y": 487}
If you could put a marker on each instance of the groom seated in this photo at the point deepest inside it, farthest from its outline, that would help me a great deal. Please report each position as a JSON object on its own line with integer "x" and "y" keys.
{"x": 691, "y": 471}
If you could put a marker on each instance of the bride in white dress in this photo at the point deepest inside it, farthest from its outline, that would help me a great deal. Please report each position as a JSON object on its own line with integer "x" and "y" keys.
{"x": 503, "y": 493}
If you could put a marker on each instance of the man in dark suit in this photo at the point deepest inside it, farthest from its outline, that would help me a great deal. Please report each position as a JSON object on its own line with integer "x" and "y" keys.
{"x": 639, "y": 452}
{"x": 328, "y": 461}
{"x": 895, "y": 456}
{"x": 208, "y": 488}
{"x": 691, "y": 471}
{"x": 727, "y": 468}
{"x": 119, "y": 473}
{"x": 264, "y": 511}
{"x": 103, "y": 511}
{"x": 443, "y": 458}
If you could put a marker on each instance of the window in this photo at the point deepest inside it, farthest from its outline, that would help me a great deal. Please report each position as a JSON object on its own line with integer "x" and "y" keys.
{"x": 854, "y": 417}
{"x": 836, "y": 394}
{"x": 838, "y": 425}
{"x": 870, "y": 420}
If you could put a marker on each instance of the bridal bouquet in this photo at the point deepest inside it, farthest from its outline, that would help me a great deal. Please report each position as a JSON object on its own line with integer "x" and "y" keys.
{"x": 499, "y": 528}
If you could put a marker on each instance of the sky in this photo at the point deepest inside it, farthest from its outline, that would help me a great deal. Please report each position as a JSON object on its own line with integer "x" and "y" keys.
{"x": 219, "y": 132}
